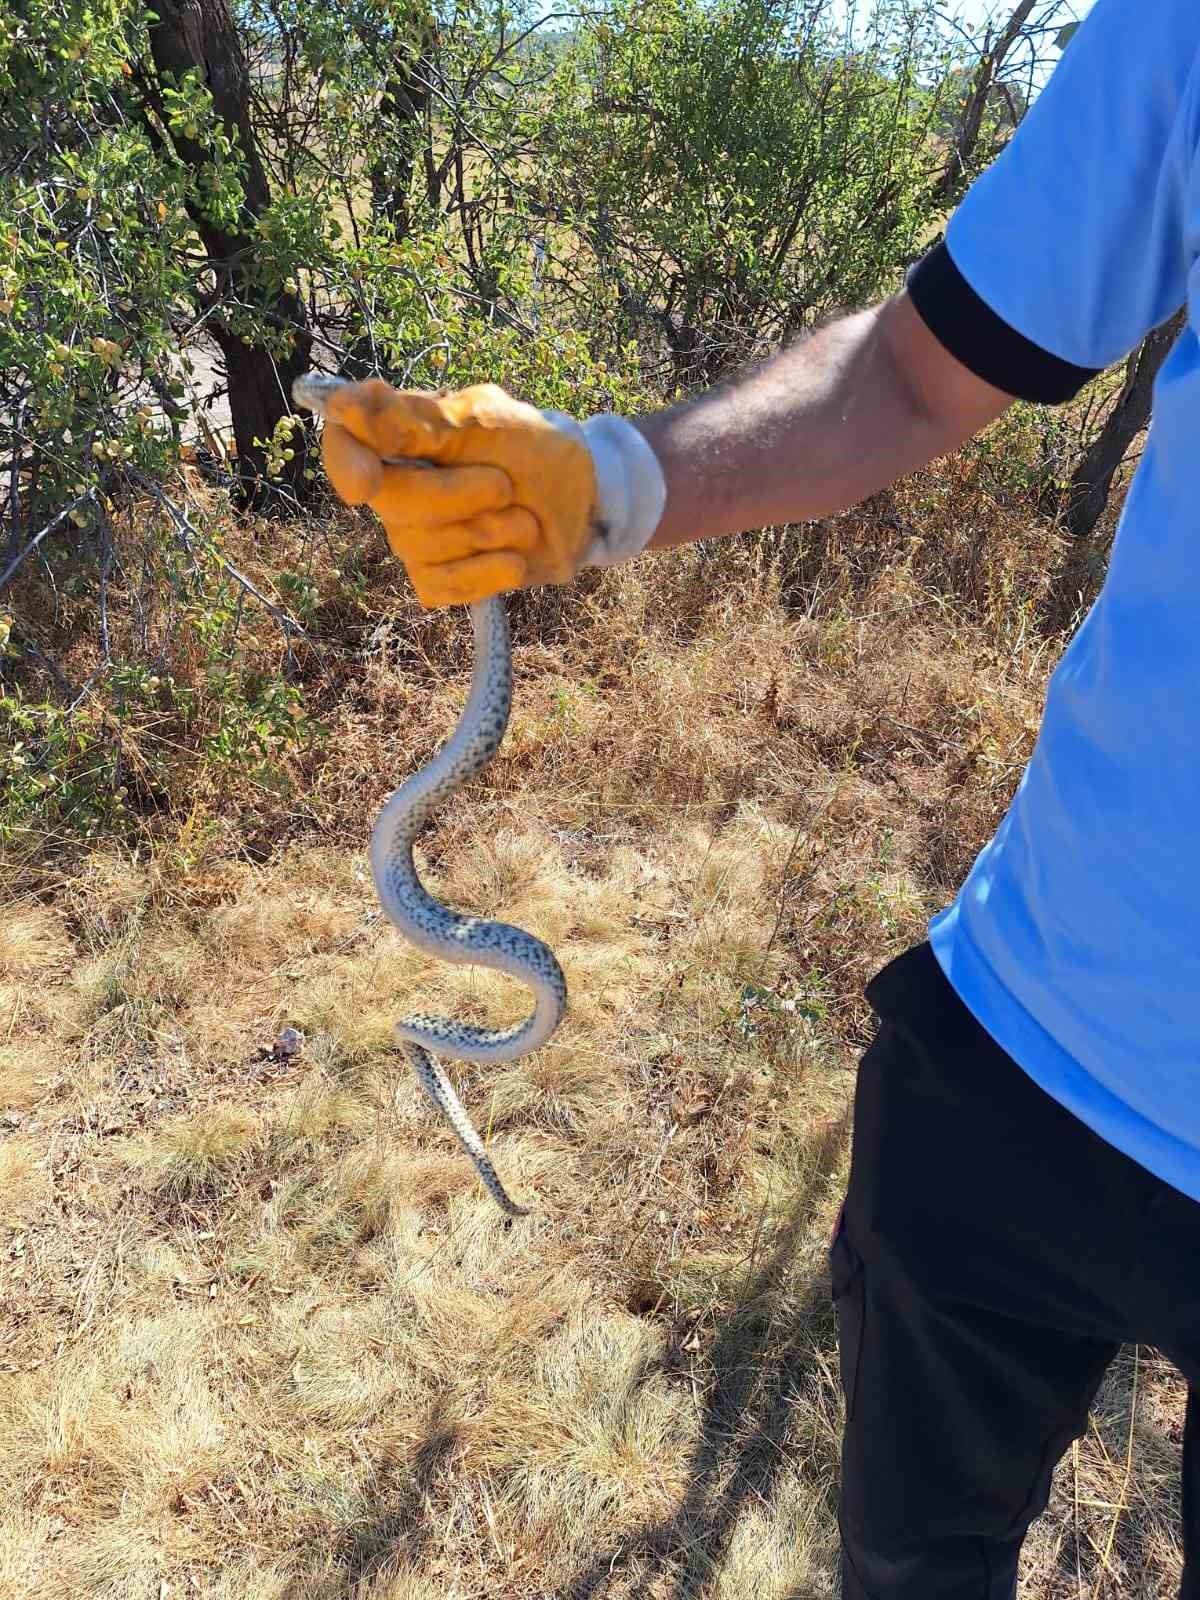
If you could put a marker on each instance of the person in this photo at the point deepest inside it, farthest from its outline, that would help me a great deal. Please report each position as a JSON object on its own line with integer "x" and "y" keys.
{"x": 1024, "y": 1193}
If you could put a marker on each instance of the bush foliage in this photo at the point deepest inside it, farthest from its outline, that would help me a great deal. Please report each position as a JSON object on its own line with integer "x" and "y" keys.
{"x": 599, "y": 210}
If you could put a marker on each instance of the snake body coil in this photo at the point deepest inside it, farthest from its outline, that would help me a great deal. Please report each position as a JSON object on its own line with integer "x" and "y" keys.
{"x": 433, "y": 927}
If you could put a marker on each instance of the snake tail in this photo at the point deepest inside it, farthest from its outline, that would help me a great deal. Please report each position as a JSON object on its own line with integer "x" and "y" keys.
{"x": 440, "y": 1091}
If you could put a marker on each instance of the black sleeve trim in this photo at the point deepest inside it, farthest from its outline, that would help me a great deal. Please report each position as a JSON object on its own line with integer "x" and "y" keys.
{"x": 984, "y": 343}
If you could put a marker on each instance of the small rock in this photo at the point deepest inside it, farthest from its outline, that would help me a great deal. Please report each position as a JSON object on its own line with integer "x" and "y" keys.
{"x": 288, "y": 1044}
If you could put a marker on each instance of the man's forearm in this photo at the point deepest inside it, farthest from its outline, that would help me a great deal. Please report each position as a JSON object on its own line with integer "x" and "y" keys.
{"x": 818, "y": 428}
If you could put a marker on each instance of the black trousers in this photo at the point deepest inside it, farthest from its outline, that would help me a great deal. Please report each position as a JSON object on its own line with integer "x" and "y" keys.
{"x": 992, "y": 1256}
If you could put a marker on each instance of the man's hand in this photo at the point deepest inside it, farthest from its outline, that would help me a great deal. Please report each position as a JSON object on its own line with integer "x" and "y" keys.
{"x": 509, "y": 500}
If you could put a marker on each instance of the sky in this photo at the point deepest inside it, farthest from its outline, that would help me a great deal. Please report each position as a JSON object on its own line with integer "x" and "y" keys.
{"x": 977, "y": 11}
{"x": 973, "y": 13}
{"x": 970, "y": 13}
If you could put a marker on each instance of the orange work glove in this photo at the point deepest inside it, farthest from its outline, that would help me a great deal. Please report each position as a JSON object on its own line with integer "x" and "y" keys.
{"x": 479, "y": 493}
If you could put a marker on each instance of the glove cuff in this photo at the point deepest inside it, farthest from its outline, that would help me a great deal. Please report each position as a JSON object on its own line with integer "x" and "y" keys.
{"x": 631, "y": 491}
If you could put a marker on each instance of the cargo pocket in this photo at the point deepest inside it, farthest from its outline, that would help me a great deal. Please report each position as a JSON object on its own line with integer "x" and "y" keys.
{"x": 849, "y": 1297}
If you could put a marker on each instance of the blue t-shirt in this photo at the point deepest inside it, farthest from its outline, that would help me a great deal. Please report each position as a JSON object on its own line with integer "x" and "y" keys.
{"x": 1076, "y": 938}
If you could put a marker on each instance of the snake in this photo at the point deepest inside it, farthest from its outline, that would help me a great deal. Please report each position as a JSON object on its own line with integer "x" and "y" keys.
{"x": 422, "y": 919}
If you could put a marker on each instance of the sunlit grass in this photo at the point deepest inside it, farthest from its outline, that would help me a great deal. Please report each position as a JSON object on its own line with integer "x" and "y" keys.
{"x": 264, "y": 1336}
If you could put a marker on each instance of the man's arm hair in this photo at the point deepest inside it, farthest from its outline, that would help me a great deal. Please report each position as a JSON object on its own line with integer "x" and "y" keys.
{"x": 818, "y": 428}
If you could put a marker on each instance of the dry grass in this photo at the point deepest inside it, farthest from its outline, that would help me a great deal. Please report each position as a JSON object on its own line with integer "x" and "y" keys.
{"x": 263, "y": 1336}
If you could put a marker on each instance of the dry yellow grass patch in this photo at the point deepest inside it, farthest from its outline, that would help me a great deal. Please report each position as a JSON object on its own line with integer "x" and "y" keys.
{"x": 23, "y": 1079}
{"x": 190, "y": 1156}
{"x": 23, "y": 1178}
{"x": 32, "y": 941}
{"x": 264, "y": 1336}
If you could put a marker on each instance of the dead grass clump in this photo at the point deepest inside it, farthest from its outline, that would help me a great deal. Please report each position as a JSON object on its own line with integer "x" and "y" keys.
{"x": 508, "y": 867}
{"x": 24, "y": 1077}
{"x": 784, "y": 1547}
{"x": 24, "y": 1181}
{"x": 338, "y": 1375}
{"x": 333, "y": 1211}
{"x": 367, "y": 1036}
{"x": 314, "y": 1115}
{"x": 107, "y": 890}
{"x": 431, "y": 1179}
{"x": 593, "y": 1434}
{"x": 559, "y": 1091}
{"x": 105, "y": 981}
{"x": 67, "y": 1442}
{"x": 32, "y": 941}
{"x": 194, "y": 1156}
{"x": 269, "y": 923}
{"x": 169, "y": 969}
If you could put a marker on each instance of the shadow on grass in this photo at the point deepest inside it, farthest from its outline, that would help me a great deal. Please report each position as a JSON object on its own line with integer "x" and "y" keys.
{"x": 1117, "y": 1534}
{"x": 1124, "y": 1546}
{"x": 760, "y": 1371}
{"x": 395, "y": 1522}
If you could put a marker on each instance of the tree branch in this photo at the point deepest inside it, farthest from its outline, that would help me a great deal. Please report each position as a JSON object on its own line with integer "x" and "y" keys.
{"x": 55, "y": 522}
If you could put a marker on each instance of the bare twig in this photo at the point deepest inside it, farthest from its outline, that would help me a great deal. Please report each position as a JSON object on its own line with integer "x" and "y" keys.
{"x": 55, "y": 521}
{"x": 188, "y": 533}
{"x": 1122, "y": 1500}
{"x": 62, "y": 683}
{"x": 106, "y": 560}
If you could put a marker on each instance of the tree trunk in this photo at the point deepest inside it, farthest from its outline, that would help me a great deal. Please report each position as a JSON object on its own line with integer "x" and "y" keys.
{"x": 955, "y": 173}
{"x": 401, "y": 108}
{"x": 1086, "y": 495}
{"x": 201, "y": 34}
{"x": 1091, "y": 479}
